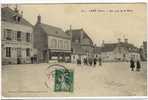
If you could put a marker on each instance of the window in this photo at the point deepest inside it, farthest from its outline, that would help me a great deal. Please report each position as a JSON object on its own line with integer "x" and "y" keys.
{"x": 27, "y": 52}
{"x": 18, "y": 35}
{"x": 54, "y": 43}
{"x": 8, "y": 34}
{"x": 28, "y": 37}
{"x": 61, "y": 44}
{"x": 66, "y": 46}
{"x": 17, "y": 18}
{"x": 8, "y": 51}
{"x": 58, "y": 43}
{"x": 18, "y": 52}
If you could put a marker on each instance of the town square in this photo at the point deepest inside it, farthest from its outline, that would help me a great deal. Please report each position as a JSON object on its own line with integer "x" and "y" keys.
{"x": 74, "y": 50}
{"x": 110, "y": 79}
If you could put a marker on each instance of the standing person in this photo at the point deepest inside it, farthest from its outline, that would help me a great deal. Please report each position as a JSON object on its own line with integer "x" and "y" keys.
{"x": 95, "y": 61}
{"x": 77, "y": 61}
{"x": 85, "y": 61}
{"x": 138, "y": 65}
{"x": 132, "y": 64}
{"x": 32, "y": 60}
{"x": 90, "y": 61}
{"x": 100, "y": 61}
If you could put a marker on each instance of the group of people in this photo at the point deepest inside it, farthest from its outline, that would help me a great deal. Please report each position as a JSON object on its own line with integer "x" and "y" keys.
{"x": 134, "y": 64}
{"x": 92, "y": 61}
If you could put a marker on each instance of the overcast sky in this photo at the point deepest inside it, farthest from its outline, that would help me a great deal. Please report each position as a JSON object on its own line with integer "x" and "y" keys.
{"x": 106, "y": 22}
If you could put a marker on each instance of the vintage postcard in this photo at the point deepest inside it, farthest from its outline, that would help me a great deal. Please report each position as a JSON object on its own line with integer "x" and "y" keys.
{"x": 74, "y": 50}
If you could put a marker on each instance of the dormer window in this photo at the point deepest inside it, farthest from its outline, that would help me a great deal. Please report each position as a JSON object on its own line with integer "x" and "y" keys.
{"x": 17, "y": 18}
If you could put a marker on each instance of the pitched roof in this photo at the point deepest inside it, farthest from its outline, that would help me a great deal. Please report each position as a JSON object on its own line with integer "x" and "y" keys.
{"x": 111, "y": 46}
{"x": 54, "y": 31}
{"x": 108, "y": 47}
{"x": 76, "y": 35}
{"x": 7, "y": 14}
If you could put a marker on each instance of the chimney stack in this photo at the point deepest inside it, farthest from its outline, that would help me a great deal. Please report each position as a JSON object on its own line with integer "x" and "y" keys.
{"x": 126, "y": 40}
{"x": 102, "y": 43}
{"x": 70, "y": 27}
{"x": 16, "y": 9}
{"x": 39, "y": 19}
{"x": 119, "y": 40}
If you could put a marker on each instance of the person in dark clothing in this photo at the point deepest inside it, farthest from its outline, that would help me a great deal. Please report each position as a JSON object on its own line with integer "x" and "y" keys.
{"x": 132, "y": 64}
{"x": 90, "y": 61}
{"x": 18, "y": 61}
{"x": 95, "y": 61}
{"x": 79, "y": 61}
{"x": 138, "y": 65}
{"x": 100, "y": 61}
{"x": 84, "y": 61}
{"x": 32, "y": 60}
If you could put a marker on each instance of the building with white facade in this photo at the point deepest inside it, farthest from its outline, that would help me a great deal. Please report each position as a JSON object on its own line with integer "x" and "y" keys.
{"x": 120, "y": 51}
{"x": 16, "y": 37}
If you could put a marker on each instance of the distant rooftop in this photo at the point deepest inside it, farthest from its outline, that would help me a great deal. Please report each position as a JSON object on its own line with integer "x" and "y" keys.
{"x": 7, "y": 14}
{"x": 111, "y": 46}
{"x": 76, "y": 34}
{"x": 54, "y": 31}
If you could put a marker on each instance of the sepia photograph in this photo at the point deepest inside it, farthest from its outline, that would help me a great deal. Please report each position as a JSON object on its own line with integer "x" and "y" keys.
{"x": 74, "y": 50}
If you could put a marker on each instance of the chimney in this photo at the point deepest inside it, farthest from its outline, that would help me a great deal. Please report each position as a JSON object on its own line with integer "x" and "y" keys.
{"x": 102, "y": 43}
{"x": 70, "y": 27}
{"x": 119, "y": 40}
{"x": 39, "y": 19}
{"x": 16, "y": 9}
{"x": 81, "y": 32}
{"x": 126, "y": 40}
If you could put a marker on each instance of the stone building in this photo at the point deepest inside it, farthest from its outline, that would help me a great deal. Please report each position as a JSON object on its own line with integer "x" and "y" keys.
{"x": 51, "y": 43}
{"x": 120, "y": 51}
{"x": 82, "y": 45}
{"x": 16, "y": 34}
{"x": 143, "y": 51}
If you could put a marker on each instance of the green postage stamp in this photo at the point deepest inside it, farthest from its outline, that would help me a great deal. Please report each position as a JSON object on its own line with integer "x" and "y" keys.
{"x": 63, "y": 80}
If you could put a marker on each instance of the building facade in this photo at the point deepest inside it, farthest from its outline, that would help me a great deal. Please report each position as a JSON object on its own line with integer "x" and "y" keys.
{"x": 97, "y": 52}
{"x": 121, "y": 51}
{"x": 82, "y": 45}
{"x": 51, "y": 43}
{"x": 143, "y": 51}
{"x": 16, "y": 34}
